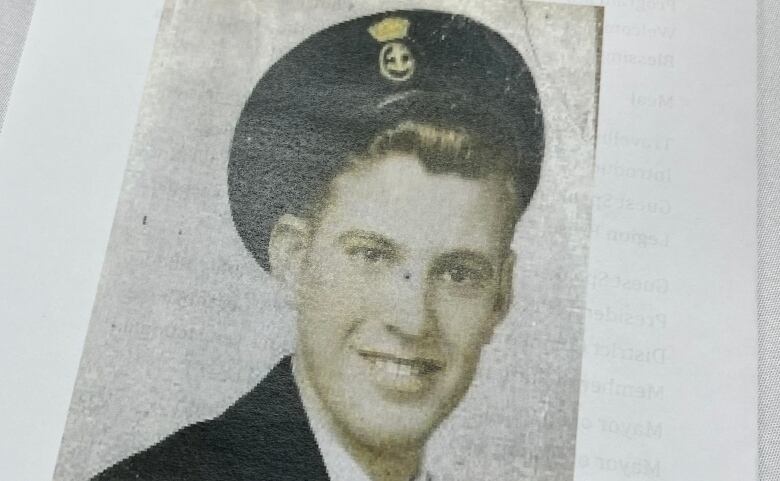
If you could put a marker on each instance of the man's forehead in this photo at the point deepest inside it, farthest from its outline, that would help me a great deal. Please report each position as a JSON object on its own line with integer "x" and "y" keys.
{"x": 397, "y": 198}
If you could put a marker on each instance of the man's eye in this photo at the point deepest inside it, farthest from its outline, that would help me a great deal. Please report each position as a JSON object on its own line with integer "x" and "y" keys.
{"x": 461, "y": 275}
{"x": 369, "y": 254}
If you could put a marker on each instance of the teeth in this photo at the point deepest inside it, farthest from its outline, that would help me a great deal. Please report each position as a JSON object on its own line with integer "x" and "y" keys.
{"x": 395, "y": 368}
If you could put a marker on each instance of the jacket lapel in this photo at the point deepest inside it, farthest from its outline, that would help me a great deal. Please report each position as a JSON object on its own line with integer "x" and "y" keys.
{"x": 269, "y": 427}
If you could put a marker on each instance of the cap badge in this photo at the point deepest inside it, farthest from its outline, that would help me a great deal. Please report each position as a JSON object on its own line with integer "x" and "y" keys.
{"x": 396, "y": 61}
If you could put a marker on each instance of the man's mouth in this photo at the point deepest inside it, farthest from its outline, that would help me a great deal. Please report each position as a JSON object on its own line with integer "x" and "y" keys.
{"x": 401, "y": 366}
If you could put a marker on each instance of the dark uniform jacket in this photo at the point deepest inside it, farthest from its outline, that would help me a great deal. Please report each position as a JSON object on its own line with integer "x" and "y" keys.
{"x": 265, "y": 435}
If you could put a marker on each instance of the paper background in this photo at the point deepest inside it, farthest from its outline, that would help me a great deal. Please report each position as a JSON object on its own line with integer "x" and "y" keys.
{"x": 185, "y": 322}
{"x": 41, "y": 356}
{"x": 63, "y": 150}
{"x": 769, "y": 238}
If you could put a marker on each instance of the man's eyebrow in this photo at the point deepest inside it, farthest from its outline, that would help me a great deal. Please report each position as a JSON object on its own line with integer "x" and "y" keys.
{"x": 368, "y": 236}
{"x": 478, "y": 259}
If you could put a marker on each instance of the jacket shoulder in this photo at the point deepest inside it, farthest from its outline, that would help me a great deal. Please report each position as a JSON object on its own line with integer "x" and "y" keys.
{"x": 264, "y": 435}
{"x": 190, "y": 453}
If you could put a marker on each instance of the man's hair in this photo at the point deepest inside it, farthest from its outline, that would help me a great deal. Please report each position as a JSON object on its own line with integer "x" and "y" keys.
{"x": 443, "y": 150}
{"x": 440, "y": 150}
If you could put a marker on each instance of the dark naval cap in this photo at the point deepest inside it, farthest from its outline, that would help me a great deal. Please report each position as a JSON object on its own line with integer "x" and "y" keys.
{"x": 329, "y": 97}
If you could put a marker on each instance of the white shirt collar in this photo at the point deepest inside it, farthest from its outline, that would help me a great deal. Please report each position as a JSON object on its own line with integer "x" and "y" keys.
{"x": 338, "y": 462}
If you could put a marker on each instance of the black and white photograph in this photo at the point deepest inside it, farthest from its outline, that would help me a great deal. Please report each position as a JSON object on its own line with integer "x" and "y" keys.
{"x": 351, "y": 244}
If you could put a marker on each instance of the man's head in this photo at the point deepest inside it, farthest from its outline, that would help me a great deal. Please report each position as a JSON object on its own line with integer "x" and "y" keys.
{"x": 401, "y": 274}
{"x": 378, "y": 170}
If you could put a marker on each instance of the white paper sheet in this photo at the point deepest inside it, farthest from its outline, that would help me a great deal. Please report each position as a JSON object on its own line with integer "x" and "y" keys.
{"x": 63, "y": 149}
{"x": 669, "y": 373}
{"x": 670, "y": 391}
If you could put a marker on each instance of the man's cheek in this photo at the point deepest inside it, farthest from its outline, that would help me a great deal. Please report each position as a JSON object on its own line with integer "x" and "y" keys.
{"x": 345, "y": 290}
{"x": 464, "y": 323}
{"x": 357, "y": 286}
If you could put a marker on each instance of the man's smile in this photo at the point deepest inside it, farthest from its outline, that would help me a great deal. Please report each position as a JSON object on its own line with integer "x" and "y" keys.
{"x": 414, "y": 364}
{"x": 401, "y": 374}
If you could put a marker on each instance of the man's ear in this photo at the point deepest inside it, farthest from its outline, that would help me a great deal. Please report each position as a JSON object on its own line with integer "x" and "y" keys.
{"x": 503, "y": 295}
{"x": 290, "y": 237}
{"x": 505, "y": 291}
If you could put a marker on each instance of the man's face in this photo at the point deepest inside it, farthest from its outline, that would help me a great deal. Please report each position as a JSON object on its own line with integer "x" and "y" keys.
{"x": 400, "y": 285}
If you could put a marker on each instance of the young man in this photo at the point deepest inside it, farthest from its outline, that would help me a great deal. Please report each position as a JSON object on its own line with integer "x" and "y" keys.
{"x": 377, "y": 171}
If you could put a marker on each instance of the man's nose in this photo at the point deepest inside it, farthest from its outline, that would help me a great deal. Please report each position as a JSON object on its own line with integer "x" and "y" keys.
{"x": 411, "y": 315}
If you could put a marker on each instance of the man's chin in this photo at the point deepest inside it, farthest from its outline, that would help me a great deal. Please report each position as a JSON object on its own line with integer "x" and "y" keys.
{"x": 384, "y": 407}
{"x": 388, "y": 437}
{"x": 382, "y": 423}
